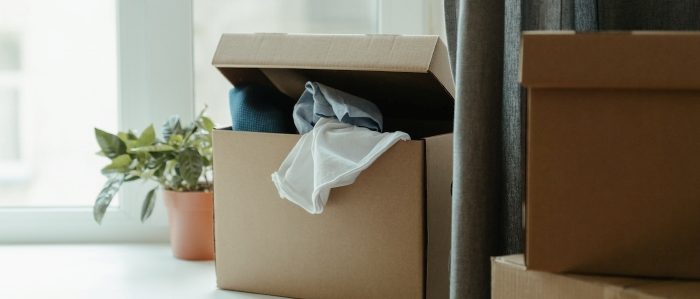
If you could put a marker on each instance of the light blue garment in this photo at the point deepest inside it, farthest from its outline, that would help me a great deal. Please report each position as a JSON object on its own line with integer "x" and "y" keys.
{"x": 319, "y": 101}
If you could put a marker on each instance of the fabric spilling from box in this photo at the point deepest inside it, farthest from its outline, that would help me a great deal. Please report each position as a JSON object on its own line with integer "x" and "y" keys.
{"x": 321, "y": 101}
{"x": 341, "y": 136}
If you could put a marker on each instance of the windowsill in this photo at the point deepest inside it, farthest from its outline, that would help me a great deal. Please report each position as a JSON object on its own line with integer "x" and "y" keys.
{"x": 106, "y": 271}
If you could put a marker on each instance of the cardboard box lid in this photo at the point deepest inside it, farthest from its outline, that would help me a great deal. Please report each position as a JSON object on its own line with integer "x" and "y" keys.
{"x": 510, "y": 279}
{"x": 408, "y": 77}
{"x": 637, "y": 59}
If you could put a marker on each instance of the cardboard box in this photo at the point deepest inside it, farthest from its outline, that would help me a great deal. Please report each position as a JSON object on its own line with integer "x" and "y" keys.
{"x": 385, "y": 236}
{"x": 511, "y": 280}
{"x": 613, "y": 153}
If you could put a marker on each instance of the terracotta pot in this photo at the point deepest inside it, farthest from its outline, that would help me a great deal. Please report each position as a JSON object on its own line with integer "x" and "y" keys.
{"x": 191, "y": 218}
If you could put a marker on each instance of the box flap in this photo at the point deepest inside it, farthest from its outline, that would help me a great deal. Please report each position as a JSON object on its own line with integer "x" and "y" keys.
{"x": 647, "y": 60}
{"x": 438, "y": 168}
{"x": 408, "y": 77}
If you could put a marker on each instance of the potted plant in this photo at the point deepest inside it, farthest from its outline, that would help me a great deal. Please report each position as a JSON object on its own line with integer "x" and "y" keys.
{"x": 181, "y": 163}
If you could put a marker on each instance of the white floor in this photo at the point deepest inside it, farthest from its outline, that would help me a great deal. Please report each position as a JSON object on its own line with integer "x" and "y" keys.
{"x": 106, "y": 271}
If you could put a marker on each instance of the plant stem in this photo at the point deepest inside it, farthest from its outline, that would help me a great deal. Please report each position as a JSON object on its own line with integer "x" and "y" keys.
{"x": 205, "y": 179}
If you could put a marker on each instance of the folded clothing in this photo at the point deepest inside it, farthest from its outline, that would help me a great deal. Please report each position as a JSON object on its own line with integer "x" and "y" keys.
{"x": 319, "y": 101}
{"x": 260, "y": 108}
{"x": 332, "y": 155}
{"x": 341, "y": 138}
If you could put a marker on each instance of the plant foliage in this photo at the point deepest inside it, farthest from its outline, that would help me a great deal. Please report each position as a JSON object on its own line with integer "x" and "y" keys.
{"x": 180, "y": 161}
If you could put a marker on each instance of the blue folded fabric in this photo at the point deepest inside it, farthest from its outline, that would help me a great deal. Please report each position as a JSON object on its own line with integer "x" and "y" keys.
{"x": 259, "y": 108}
{"x": 319, "y": 100}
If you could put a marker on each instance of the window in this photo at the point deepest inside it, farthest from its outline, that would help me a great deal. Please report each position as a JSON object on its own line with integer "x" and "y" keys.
{"x": 58, "y": 78}
{"x": 12, "y": 168}
{"x": 68, "y": 66}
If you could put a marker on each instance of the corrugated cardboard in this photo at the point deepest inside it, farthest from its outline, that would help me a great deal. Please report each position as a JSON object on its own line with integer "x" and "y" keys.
{"x": 439, "y": 216}
{"x": 630, "y": 60}
{"x": 613, "y": 163}
{"x": 511, "y": 280}
{"x": 386, "y": 235}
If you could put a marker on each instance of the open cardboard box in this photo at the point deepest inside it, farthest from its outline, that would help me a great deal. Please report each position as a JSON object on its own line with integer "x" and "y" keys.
{"x": 613, "y": 152}
{"x": 385, "y": 236}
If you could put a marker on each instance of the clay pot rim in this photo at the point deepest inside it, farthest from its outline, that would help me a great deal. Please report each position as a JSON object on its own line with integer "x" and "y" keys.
{"x": 183, "y": 192}
{"x": 191, "y": 200}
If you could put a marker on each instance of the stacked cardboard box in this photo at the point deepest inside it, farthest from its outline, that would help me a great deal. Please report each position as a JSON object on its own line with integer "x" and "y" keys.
{"x": 613, "y": 165}
{"x": 385, "y": 236}
{"x": 510, "y": 279}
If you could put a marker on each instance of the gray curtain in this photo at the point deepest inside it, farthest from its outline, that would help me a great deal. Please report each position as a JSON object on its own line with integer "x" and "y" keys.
{"x": 484, "y": 39}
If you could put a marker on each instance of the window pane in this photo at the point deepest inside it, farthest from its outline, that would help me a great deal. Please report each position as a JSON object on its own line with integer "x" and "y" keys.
{"x": 9, "y": 51}
{"x": 58, "y": 61}
{"x": 214, "y": 17}
{"x": 9, "y": 128}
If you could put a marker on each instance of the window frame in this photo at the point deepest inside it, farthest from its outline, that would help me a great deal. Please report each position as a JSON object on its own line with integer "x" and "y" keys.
{"x": 156, "y": 80}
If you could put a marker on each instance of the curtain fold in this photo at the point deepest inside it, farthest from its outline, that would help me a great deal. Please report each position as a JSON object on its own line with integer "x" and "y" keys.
{"x": 478, "y": 107}
{"x": 489, "y": 154}
{"x": 649, "y": 15}
{"x": 510, "y": 214}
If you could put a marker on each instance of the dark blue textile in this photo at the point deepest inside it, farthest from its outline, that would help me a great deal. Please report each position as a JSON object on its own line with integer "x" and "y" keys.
{"x": 258, "y": 108}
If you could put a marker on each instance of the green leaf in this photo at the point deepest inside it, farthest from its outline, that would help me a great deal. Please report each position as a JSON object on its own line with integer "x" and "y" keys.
{"x": 170, "y": 166}
{"x": 148, "y": 204}
{"x": 190, "y": 166}
{"x": 171, "y": 126}
{"x": 121, "y": 161}
{"x": 110, "y": 144}
{"x": 105, "y": 197}
{"x": 206, "y": 161}
{"x": 175, "y": 139}
{"x": 148, "y": 137}
{"x": 119, "y": 164}
{"x": 131, "y": 178}
{"x": 155, "y": 163}
{"x": 153, "y": 166}
{"x": 158, "y": 173}
{"x": 152, "y": 148}
{"x": 148, "y": 173}
{"x": 129, "y": 139}
{"x": 154, "y": 155}
{"x": 189, "y": 131}
{"x": 208, "y": 124}
{"x": 123, "y": 136}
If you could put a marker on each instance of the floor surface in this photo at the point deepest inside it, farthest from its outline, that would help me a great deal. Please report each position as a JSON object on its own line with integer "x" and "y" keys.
{"x": 106, "y": 271}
